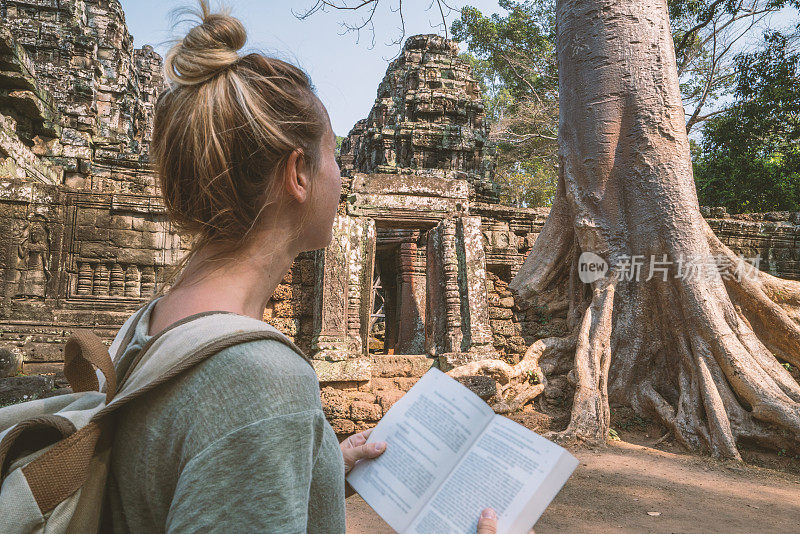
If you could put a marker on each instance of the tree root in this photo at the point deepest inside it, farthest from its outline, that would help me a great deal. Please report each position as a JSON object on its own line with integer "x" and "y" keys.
{"x": 520, "y": 383}
{"x": 713, "y": 382}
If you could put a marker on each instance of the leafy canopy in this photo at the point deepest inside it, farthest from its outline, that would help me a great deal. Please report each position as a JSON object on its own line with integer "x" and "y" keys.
{"x": 750, "y": 155}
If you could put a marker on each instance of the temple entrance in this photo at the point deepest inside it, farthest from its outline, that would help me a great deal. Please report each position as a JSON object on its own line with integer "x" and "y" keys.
{"x": 397, "y": 320}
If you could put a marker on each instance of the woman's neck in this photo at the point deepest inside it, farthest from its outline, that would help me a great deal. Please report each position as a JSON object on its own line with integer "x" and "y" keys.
{"x": 241, "y": 285}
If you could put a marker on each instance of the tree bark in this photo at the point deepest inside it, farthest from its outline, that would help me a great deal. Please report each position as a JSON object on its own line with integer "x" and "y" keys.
{"x": 698, "y": 353}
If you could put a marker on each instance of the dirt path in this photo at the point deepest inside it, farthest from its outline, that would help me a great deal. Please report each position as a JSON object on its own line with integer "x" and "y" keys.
{"x": 613, "y": 489}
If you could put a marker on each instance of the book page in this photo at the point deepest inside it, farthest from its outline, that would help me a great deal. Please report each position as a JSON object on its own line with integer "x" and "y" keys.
{"x": 509, "y": 468}
{"x": 426, "y": 432}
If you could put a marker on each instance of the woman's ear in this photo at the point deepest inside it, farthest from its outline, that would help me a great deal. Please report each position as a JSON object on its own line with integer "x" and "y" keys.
{"x": 295, "y": 176}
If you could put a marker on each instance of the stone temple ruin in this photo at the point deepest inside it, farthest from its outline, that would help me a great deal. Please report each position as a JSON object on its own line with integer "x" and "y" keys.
{"x": 416, "y": 274}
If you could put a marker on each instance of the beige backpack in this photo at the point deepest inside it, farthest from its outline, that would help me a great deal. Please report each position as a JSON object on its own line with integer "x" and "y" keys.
{"x": 54, "y": 452}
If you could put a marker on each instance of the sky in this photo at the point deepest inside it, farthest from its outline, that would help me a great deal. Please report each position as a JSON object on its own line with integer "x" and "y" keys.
{"x": 345, "y": 69}
{"x": 346, "y": 73}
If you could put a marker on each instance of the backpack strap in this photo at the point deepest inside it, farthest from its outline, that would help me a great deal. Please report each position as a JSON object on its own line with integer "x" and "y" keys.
{"x": 82, "y": 351}
{"x": 132, "y": 391}
{"x": 125, "y": 368}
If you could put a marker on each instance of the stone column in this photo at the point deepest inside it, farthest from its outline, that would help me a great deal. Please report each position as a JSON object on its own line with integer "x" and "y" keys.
{"x": 474, "y": 286}
{"x": 411, "y": 290}
{"x": 330, "y": 305}
{"x": 343, "y": 298}
{"x": 457, "y": 320}
{"x": 443, "y": 313}
{"x": 361, "y": 265}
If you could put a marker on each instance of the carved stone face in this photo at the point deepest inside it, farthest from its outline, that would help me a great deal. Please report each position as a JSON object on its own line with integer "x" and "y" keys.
{"x": 38, "y": 233}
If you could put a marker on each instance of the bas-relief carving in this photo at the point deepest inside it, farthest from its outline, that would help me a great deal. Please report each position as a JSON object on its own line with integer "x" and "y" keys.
{"x": 109, "y": 279}
{"x": 32, "y": 260}
{"x": 412, "y": 290}
{"x": 330, "y": 305}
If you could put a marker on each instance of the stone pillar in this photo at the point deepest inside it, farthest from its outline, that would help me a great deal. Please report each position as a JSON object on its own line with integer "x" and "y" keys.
{"x": 411, "y": 309}
{"x": 343, "y": 300}
{"x": 330, "y": 305}
{"x": 361, "y": 265}
{"x": 457, "y": 321}
{"x": 474, "y": 287}
{"x": 443, "y": 310}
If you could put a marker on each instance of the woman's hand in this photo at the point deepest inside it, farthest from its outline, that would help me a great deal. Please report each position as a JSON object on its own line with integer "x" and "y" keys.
{"x": 354, "y": 448}
{"x": 487, "y": 524}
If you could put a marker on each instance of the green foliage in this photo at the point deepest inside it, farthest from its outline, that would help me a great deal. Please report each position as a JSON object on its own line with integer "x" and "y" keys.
{"x": 506, "y": 44}
{"x": 339, "y": 140}
{"x": 533, "y": 378}
{"x": 706, "y": 35}
{"x": 750, "y": 156}
{"x": 513, "y": 58}
{"x": 613, "y": 435}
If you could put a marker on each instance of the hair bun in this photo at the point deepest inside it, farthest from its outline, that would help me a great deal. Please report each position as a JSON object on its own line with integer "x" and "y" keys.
{"x": 207, "y": 48}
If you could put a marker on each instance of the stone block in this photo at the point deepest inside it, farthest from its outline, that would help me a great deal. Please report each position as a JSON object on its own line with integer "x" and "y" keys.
{"x": 507, "y": 302}
{"x": 342, "y": 426}
{"x": 286, "y": 325}
{"x": 504, "y": 328}
{"x": 387, "y": 398}
{"x": 282, "y": 292}
{"x": 342, "y": 371}
{"x": 401, "y": 366}
{"x": 399, "y": 383}
{"x": 499, "y": 313}
{"x": 307, "y": 272}
{"x": 365, "y": 411}
{"x": 335, "y": 403}
{"x": 24, "y": 388}
{"x": 283, "y": 308}
{"x": 10, "y": 361}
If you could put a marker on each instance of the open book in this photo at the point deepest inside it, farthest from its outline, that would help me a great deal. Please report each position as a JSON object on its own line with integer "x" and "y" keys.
{"x": 449, "y": 456}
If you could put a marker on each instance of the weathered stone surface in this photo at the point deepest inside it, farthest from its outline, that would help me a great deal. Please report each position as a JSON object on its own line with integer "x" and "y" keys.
{"x": 24, "y": 388}
{"x": 428, "y": 116}
{"x": 398, "y": 384}
{"x": 483, "y": 386}
{"x": 365, "y": 411}
{"x": 406, "y": 366}
{"x": 499, "y": 313}
{"x": 342, "y": 371}
{"x": 334, "y": 403}
{"x": 10, "y": 361}
{"x": 387, "y": 398}
{"x": 342, "y": 426}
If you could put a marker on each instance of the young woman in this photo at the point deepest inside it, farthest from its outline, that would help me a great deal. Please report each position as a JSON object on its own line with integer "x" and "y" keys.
{"x": 244, "y": 154}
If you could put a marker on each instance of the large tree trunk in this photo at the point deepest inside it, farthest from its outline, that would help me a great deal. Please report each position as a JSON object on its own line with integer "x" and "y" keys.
{"x": 699, "y": 352}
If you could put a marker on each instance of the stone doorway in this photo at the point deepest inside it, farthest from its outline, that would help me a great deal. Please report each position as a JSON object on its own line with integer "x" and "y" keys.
{"x": 397, "y": 322}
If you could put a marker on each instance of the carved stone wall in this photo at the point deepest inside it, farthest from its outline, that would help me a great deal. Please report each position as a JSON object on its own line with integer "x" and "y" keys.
{"x": 428, "y": 118}
{"x": 85, "y": 239}
{"x": 103, "y": 91}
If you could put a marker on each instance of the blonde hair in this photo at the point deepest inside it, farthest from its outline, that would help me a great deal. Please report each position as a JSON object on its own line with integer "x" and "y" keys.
{"x": 224, "y": 129}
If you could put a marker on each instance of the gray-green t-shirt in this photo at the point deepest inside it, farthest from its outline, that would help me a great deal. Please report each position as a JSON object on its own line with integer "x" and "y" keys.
{"x": 239, "y": 443}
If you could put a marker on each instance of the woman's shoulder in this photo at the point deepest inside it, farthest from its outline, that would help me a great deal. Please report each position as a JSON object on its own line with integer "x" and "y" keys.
{"x": 265, "y": 368}
{"x": 265, "y": 358}
{"x": 239, "y": 386}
